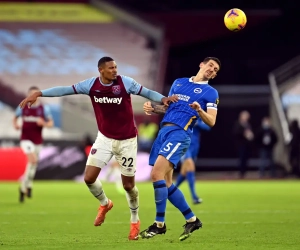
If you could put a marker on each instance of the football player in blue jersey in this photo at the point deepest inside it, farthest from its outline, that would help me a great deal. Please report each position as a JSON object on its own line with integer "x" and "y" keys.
{"x": 196, "y": 100}
{"x": 188, "y": 168}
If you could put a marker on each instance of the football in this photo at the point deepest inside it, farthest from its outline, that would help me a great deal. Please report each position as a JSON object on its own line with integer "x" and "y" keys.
{"x": 235, "y": 19}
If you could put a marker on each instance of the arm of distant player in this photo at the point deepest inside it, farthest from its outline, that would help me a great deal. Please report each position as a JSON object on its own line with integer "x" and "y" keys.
{"x": 149, "y": 108}
{"x": 18, "y": 113}
{"x": 200, "y": 124}
{"x": 208, "y": 117}
{"x": 48, "y": 123}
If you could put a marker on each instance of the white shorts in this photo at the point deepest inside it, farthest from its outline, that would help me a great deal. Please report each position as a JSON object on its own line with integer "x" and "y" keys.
{"x": 29, "y": 147}
{"x": 104, "y": 149}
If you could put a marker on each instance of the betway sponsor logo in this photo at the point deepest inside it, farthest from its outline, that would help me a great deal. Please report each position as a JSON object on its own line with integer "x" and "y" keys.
{"x": 30, "y": 118}
{"x": 108, "y": 100}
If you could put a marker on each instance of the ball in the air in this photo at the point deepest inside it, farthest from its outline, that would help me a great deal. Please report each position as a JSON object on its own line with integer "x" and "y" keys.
{"x": 235, "y": 19}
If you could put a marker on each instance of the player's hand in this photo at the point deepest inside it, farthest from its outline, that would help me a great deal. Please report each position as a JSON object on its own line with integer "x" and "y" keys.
{"x": 40, "y": 122}
{"x": 17, "y": 126}
{"x": 167, "y": 100}
{"x": 147, "y": 107}
{"x": 30, "y": 99}
{"x": 196, "y": 106}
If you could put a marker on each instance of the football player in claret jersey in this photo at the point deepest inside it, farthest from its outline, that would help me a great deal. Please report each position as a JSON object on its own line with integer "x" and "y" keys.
{"x": 34, "y": 119}
{"x": 188, "y": 168}
{"x": 197, "y": 100}
{"x": 117, "y": 135}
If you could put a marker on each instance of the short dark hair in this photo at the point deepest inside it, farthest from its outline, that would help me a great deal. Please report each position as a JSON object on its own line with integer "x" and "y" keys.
{"x": 104, "y": 60}
{"x": 217, "y": 60}
{"x": 33, "y": 88}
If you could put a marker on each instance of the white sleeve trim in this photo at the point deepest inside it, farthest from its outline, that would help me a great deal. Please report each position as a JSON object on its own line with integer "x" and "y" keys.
{"x": 212, "y": 108}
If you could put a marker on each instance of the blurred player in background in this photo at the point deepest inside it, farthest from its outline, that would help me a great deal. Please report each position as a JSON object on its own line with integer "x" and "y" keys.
{"x": 113, "y": 170}
{"x": 117, "y": 135}
{"x": 197, "y": 100}
{"x": 34, "y": 119}
{"x": 188, "y": 168}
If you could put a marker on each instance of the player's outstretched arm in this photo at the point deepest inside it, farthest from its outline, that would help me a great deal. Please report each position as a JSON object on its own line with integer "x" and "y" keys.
{"x": 52, "y": 92}
{"x": 208, "y": 117}
{"x": 157, "y": 97}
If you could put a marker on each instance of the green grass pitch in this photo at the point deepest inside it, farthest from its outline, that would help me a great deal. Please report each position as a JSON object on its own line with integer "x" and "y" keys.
{"x": 239, "y": 215}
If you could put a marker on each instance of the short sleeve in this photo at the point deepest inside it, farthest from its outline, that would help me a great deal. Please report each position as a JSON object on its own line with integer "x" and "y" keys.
{"x": 47, "y": 112}
{"x": 131, "y": 86}
{"x": 18, "y": 112}
{"x": 212, "y": 99}
{"x": 84, "y": 86}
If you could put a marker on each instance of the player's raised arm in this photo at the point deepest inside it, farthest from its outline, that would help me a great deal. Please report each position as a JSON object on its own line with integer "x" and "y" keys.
{"x": 135, "y": 88}
{"x": 209, "y": 117}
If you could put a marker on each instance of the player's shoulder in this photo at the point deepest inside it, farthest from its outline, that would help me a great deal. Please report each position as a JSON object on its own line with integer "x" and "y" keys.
{"x": 212, "y": 90}
{"x": 182, "y": 80}
{"x": 126, "y": 79}
{"x": 47, "y": 108}
{"x": 88, "y": 80}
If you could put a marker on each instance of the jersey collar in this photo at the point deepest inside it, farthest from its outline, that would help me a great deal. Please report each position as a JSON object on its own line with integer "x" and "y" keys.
{"x": 203, "y": 82}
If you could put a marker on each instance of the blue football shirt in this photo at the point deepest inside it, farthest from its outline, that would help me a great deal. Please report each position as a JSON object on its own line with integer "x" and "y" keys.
{"x": 180, "y": 113}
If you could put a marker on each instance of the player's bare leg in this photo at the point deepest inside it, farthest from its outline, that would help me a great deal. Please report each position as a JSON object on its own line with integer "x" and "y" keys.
{"x": 26, "y": 183}
{"x": 95, "y": 187}
{"x": 132, "y": 196}
{"x": 115, "y": 168}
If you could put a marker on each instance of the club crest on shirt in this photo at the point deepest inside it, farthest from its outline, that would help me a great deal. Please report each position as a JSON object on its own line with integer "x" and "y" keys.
{"x": 93, "y": 151}
{"x": 116, "y": 89}
{"x": 197, "y": 90}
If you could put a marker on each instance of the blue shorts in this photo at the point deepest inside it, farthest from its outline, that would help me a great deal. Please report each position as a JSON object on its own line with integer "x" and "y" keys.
{"x": 191, "y": 153}
{"x": 172, "y": 142}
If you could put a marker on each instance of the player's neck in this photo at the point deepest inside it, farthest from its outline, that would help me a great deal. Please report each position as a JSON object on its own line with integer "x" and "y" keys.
{"x": 104, "y": 81}
{"x": 200, "y": 78}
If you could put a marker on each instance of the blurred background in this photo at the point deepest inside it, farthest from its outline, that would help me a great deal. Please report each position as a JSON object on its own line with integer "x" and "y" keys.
{"x": 54, "y": 43}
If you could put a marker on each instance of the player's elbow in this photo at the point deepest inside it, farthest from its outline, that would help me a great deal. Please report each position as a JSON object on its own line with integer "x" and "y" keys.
{"x": 50, "y": 124}
{"x": 212, "y": 123}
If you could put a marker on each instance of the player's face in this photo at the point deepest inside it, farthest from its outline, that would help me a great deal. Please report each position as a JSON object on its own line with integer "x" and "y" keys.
{"x": 109, "y": 70}
{"x": 209, "y": 69}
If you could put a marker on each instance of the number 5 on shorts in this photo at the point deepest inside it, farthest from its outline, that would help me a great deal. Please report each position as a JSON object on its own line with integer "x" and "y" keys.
{"x": 168, "y": 146}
